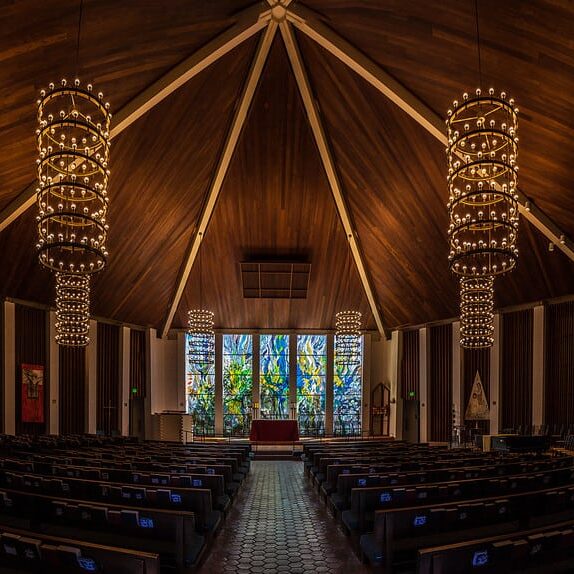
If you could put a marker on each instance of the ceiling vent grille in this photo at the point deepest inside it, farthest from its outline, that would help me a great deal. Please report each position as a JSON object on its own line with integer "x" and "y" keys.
{"x": 275, "y": 280}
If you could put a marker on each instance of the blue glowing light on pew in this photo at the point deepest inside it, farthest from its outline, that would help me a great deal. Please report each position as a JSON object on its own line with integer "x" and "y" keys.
{"x": 480, "y": 558}
{"x": 146, "y": 523}
{"x": 87, "y": 564}
{"x": 420, "y": 520}
{"x": 386, "y": 497}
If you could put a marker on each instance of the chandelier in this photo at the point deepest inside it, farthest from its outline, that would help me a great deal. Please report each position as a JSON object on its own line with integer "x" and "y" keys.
{"x": 72, "y": 309}
{"x": 476, "y": 312}
{"x": 73, "y": 146}
{"x": 482, "y": 181}
{"x": 73, "y": 141}
{"x": 348, "y": 337}
{"x": 348, "y": 328}
{"x": 201, "y": 337}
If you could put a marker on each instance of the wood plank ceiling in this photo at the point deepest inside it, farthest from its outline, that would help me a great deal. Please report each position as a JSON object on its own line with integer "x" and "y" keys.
{"x": 275, "y": 199}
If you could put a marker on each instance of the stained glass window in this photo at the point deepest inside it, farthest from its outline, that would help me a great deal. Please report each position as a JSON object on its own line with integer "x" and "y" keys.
{"x": 348, "y": 393}
{"x": 200, "y": 390}
{"x": 274, "y": 376}
{"x": 311, "y": 380}
{"x": 237, "y": 383}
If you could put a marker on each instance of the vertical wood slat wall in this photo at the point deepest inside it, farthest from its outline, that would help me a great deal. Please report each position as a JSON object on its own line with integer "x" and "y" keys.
{"x": 559, "y": 375}
{"x": 30, "y": 333}
{"x": 440, "y": 382}
{"x": 516, "y": 370}
{"x": 410, "y": 366}
{"x": 72, "y": 390}
{"x": 475, "y": 360}
{"x": 137, "y": 364}
{"x": 108, "y": 378}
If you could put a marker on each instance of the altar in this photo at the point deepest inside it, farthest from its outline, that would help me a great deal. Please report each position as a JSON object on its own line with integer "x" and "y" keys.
{"x": 268, "y": 430}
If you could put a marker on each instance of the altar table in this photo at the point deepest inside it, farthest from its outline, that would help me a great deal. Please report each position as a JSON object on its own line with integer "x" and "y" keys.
{"x": 267, "y": 430}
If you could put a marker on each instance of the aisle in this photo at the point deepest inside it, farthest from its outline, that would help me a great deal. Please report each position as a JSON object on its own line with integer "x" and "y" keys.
{"x": 278, "y": 526}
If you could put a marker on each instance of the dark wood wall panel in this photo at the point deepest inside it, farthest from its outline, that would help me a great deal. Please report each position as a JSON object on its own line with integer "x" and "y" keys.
{"x": 108, "y": 378}
{"x": 440, "y": 382}
{"x": 72, "y": 390}
{"x": 516, "y": 370}
{"x": 410, "y": 366}
{"x": 137, "y": 364}
{"x": 30, "y": 332}
{"x": 559, "y": 347}
{"x": 476, "y": 360}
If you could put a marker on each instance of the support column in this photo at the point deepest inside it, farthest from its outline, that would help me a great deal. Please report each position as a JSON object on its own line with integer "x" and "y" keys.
{"x": 125, "y": 390}
{"x": 396, "y": 407}
{"x": 150, "y": 378}
{"x": 495, "y": 377}
{"x": 292, "y": 376}
{"x": 218, "y": 384}
{"x": 538, "y": 367}
{"x": 92, "y": 379}
{"x": 53, "y": 375}
{"x": 9, "y": 368}
{"x": 424, "y": 415}
{"x": 180, "y": 372}
{"x": 457, "y": 397}
{"x": 330, "y": 385}
{"x": 256, "y": 389}
{"x": 366, "y": 402}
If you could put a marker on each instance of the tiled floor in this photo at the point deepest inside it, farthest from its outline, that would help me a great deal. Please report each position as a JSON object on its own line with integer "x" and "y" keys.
{"x": 279, "y": 526}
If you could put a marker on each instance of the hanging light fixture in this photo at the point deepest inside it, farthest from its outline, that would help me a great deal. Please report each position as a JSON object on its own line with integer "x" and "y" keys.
{"x": 200, "y": 328}
{"x": 73, "y": 147}
{"x": 72, "y": 309}
{"x": 483, "y": 201}
{"x": 477, "y": 312}
{"x": 482, "y": 180}
{"x": 348, "y": 331}
{"x": 73, "y": 141}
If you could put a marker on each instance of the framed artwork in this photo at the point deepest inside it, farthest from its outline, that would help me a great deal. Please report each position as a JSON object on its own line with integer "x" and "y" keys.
{"x": 32, "y": 393}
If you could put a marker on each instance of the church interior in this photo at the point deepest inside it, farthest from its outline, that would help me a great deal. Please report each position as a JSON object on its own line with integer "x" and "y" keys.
{"x": 287, "y": 286}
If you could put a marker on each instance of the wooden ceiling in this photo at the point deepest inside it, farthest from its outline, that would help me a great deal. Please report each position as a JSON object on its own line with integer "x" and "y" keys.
{"x": 276, "y": 199}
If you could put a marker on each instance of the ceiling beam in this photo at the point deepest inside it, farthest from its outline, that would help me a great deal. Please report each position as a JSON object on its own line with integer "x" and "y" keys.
{"x": 329, "y": 166}
{"x": 249, "y": 22}
{"x": 222, "y": 167}
{"x": 307, "y": 22}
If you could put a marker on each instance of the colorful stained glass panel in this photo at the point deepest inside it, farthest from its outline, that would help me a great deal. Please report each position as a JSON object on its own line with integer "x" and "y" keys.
{"x": 274, "y": 376}
{"x": 311, "y": 382}
{"x": 237, "y": 383}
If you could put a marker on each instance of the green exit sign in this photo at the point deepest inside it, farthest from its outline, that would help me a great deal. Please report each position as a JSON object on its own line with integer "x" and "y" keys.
{"x": 411, "y": 394}
{"x": 134, "y": 390}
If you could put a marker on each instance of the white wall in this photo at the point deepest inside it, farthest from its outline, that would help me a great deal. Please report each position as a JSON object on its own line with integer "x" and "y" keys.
{"x": 164, "y": 376}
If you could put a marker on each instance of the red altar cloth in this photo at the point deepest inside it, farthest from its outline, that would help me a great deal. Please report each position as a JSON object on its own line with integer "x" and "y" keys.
{"x": 264, "y": 430}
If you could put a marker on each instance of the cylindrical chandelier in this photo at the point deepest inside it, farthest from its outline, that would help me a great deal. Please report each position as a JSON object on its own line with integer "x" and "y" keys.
{"x": 482, "y": 179}
{"x": 72, "y": 309}
{"x": 201, "y": 336}
{"x": 477, "y": 312}
{"x": 73, "y": 141}
{"x": 348, "y": 337}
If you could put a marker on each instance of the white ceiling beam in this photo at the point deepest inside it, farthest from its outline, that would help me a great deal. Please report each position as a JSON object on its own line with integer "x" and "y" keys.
{"x": 308, "y": 23}
{"x": 222, "y": 167}
{"x": 249, "y": 22}
{"x": 329, "y": 166}
{"x": 545, "y": 225}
